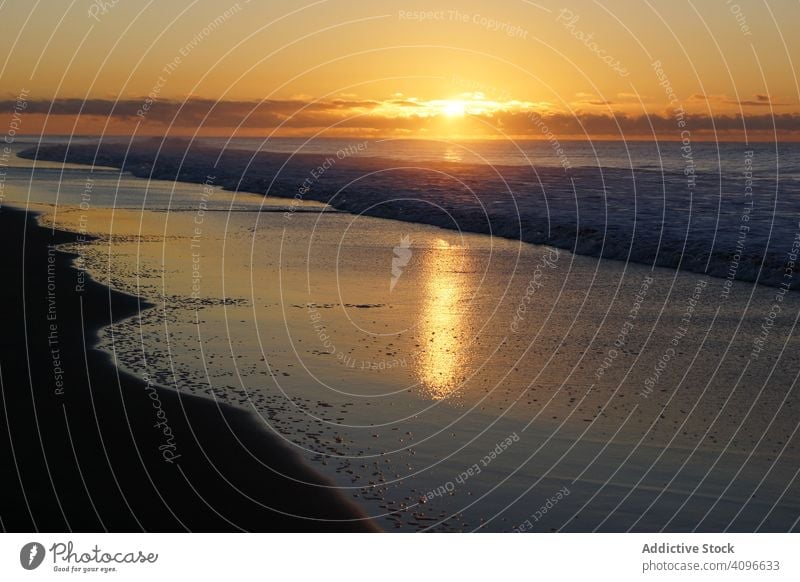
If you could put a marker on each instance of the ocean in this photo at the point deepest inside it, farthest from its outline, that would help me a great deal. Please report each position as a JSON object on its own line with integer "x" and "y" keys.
{"x": 727, "y": 210}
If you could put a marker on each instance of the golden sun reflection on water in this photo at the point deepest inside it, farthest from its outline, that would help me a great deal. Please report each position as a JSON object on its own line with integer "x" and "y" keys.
{"x": 441, "y": 365}
{"x": 453, "y": 154}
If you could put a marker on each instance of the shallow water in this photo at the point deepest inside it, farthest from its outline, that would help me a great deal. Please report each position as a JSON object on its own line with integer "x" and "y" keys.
{"x": 400, "y": 358}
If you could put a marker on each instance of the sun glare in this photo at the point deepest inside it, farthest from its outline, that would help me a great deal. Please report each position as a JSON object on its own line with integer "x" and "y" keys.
{"x": 454, "y": 108}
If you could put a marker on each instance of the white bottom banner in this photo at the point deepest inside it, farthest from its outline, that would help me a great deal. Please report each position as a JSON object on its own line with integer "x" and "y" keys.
{"x": 355, "y": 557}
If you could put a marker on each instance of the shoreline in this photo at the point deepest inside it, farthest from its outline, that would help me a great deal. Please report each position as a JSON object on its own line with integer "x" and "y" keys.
{"x": 503, "y": 201}
{"x": 88, "y": 447}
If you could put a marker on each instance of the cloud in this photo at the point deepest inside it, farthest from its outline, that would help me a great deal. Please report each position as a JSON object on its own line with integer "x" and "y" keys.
{"x": 596, "y": 102}
{"x": 759, "y": 99}
{"x": 398, "y": 115}
{"x": 632, "y": 97}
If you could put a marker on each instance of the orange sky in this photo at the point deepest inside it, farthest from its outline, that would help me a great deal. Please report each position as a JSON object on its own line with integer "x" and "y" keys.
{"x": 417, "y": 69}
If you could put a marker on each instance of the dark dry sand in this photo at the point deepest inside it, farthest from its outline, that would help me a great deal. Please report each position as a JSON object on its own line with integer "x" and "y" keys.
{"x": 89, "y": 459}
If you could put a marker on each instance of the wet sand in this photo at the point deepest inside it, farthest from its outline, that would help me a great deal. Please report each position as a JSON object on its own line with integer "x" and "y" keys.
{"x": 86, "y": 447}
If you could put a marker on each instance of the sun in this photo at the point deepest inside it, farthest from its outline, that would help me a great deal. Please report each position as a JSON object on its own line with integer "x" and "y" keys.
{"x": 454, "y": 108}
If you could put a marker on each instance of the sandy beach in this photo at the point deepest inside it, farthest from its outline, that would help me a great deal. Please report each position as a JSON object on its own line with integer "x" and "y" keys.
{"x": 89, "y": 448}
